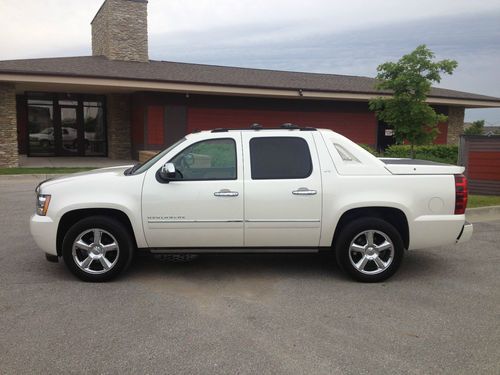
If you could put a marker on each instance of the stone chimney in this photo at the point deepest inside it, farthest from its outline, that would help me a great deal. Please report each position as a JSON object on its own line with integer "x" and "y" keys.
{"x": 120, "y": 30}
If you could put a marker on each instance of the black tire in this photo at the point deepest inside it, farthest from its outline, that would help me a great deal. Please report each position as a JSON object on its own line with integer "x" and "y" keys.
{"x": 371, "y": 271}
{"x": 112, "y": 231}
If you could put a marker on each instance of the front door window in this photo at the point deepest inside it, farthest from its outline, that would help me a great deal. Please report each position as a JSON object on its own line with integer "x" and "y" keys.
{"x": 213, "y": 159}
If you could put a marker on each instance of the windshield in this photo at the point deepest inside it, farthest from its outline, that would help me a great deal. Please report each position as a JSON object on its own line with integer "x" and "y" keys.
{"x": 141, "y": 167}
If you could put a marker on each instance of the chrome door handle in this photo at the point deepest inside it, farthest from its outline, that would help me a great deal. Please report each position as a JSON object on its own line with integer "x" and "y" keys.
{"x": 304, "y": 191}
{"x": 226, "y": 193}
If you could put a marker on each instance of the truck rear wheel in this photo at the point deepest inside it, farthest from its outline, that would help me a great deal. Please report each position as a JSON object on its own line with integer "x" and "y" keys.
{"x": 369, "y": 249}
{"x": 97, "y": 248}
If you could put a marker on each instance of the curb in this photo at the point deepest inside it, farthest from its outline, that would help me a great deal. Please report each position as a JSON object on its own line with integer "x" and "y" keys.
{"x": 479, "y": 214}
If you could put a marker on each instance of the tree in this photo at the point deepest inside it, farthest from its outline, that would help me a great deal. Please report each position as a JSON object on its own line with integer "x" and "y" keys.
{"x": 476, "y": 128}
{"x": 409, "y": 80}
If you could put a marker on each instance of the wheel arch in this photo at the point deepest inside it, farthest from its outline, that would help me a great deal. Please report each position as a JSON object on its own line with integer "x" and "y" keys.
{"x": 392, "y": 215}
{"x": 73, "y": 216}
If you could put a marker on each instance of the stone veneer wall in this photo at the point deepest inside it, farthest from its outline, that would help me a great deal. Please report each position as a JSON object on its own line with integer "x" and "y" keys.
{"x": 9, "y": 156}
{"x": 455, "y": 124}
{"x": 118, "y": 119}
{"x": 120, "y": 30}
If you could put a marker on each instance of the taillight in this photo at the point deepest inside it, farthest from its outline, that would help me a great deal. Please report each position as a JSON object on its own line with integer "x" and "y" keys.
{"x": 460, "y": 194}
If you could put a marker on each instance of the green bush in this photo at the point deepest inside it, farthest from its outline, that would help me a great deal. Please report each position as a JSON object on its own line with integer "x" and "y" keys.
{"x": 440, "y": 153}
{"x": 371, "y": 150}
{"x": 476, "y": 128}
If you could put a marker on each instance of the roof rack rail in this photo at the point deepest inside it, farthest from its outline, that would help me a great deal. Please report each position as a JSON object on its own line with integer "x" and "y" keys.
{"x": 286, "y": 126}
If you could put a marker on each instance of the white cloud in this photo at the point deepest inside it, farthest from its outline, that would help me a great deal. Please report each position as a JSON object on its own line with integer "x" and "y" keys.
{"x": 336, "y": 36}
{"x": 34, "y": 28}
{"x": 338, "y": 15}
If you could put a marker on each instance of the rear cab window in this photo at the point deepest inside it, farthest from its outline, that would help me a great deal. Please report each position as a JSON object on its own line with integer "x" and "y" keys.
{"x": 280, "y": 158}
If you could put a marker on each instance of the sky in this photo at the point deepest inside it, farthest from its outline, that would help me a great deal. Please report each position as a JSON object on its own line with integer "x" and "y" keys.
{"x": 330, "y": 36}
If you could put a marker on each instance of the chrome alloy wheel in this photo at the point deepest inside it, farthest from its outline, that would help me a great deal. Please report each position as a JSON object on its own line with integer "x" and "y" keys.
{"x": 95, "y": 251}
{"x": 371, "y": 252}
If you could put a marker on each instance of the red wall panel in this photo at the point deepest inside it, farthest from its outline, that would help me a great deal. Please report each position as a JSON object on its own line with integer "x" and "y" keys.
{"x": 443, "y": 134}
{"x": 155, "y": 125}
{"x": 484, "y": 165}
{"x": 137, "y": 126}
{"x": 361, "y": 127}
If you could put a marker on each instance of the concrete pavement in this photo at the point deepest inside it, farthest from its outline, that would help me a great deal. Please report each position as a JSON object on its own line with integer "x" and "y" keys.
{"x": 274, "y": 314}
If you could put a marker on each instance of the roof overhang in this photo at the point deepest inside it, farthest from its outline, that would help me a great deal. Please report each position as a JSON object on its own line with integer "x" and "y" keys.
{"x": 33, "y": 82}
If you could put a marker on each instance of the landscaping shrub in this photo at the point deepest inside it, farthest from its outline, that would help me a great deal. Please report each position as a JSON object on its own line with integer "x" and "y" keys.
{"x": 369, "y": 149}
{"x": 439, "y": 153}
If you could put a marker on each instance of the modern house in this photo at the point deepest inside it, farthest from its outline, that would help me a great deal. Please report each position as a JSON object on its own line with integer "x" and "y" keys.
{"x": 117, "y": 102}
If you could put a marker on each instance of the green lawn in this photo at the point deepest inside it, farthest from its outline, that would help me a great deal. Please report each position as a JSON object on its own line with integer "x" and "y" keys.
{"x": 66, "y": 170}
{"x": 483, "y": 200}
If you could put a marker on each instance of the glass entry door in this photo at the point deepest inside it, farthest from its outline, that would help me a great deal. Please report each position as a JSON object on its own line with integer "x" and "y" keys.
{"x": 68, "y": 133}
{"x": 66, "y": 125}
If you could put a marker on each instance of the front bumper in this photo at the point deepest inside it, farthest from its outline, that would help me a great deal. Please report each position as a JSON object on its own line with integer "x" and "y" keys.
{"x": 44, "y": 232}
{"x": 466, "y": 233}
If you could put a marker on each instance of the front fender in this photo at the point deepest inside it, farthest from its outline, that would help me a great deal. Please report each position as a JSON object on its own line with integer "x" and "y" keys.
{"x": 135, "y": 221}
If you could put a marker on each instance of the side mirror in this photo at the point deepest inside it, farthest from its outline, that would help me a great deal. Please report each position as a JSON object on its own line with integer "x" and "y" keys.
{"x": 167, "y": 171}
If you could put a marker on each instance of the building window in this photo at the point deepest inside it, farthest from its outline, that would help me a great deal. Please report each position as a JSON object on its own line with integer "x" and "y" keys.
{"x": 94, "y": 128}
{"x": 41, "y": 127}
{"x": 66, "y": 125}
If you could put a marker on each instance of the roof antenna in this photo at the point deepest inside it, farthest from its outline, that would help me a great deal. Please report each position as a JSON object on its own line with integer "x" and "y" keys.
{"x": 255, "y": 126}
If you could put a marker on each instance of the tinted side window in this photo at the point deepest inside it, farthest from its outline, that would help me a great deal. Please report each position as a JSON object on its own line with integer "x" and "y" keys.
{"x": 279, "y": 158}
{"x": 213, "y": 159}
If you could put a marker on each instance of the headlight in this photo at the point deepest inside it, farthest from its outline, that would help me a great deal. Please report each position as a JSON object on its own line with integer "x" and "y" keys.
{"x": 42, "y": 204}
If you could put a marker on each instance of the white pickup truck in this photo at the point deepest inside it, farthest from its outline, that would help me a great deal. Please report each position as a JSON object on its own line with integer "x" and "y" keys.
{"x": 253, "y": 191}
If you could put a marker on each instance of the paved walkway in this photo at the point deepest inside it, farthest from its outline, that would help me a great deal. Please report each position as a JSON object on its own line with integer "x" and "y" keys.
{"x": 71, "y": 161}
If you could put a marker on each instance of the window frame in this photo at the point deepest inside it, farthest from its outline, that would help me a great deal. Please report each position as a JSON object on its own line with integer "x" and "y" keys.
{"x": 311, "y": 166}
{"x": 210, "y": 179}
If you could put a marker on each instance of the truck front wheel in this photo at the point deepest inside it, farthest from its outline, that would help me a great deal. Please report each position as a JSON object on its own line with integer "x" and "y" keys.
{"x": 369, "y": 249}
{"x": 97, "y": 248}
